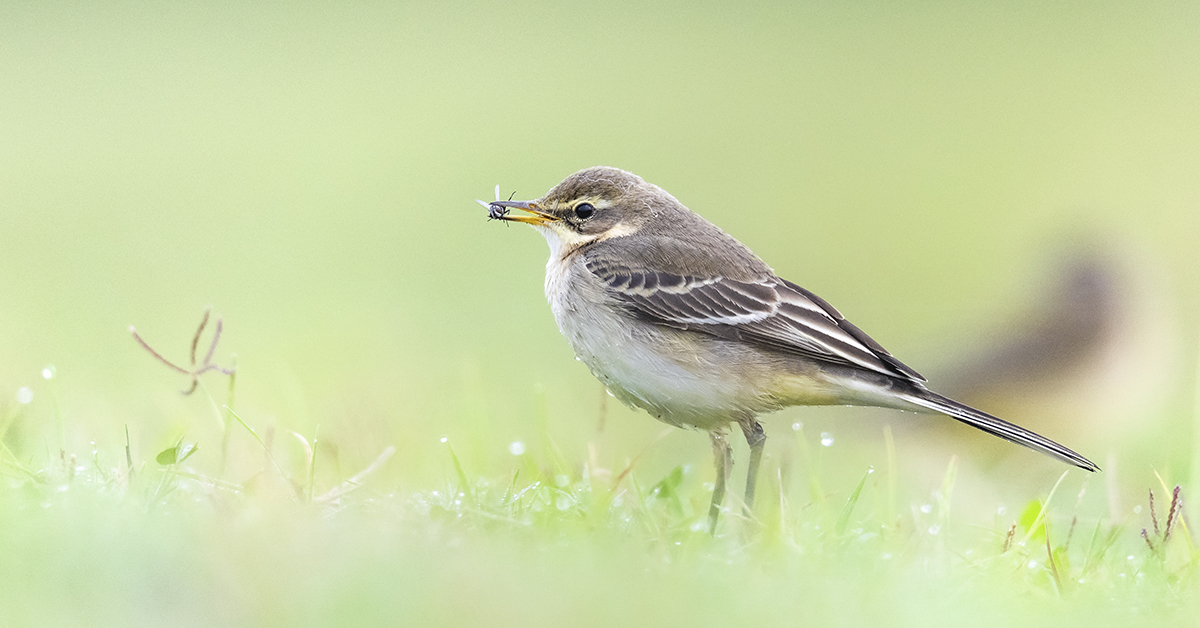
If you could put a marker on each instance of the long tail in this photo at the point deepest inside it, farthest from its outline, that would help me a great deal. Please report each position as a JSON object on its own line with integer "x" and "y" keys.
{"x": 997, "y": 427}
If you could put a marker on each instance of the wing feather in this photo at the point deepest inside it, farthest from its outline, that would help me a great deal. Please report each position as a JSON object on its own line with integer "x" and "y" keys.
{"x": 770, "y": 312}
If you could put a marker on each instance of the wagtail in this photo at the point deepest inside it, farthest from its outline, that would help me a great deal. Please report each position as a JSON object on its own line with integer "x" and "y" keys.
{"x": 676, "y": 317}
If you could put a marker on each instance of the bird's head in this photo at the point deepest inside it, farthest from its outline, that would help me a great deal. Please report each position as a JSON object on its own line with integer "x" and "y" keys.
{"x": 595, "y": 204}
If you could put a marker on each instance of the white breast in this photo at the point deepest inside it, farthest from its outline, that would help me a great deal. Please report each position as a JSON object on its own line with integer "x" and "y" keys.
{"x": 631, "y": 357}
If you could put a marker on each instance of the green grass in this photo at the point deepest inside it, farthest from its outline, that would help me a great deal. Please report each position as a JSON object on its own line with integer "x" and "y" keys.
{"x": 144, "y": 537}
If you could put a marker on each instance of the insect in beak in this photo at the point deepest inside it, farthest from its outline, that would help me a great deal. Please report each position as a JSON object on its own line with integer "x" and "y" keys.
{"x": 495, "y": 211}
{"x": 499, "y": 210}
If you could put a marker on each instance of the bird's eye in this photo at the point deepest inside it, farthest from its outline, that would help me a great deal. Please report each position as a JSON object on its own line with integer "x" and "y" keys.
{"x": 583, "y": 211}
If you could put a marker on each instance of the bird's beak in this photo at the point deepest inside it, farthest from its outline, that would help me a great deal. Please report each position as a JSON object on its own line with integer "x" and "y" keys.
{"x": 538, "y": 218}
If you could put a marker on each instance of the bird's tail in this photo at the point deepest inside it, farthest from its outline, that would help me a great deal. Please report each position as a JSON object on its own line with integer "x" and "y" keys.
{"x": 996, "y": 427}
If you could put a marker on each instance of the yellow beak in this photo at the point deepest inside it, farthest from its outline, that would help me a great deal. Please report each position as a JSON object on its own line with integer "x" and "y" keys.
{"x": 538, "y": 218}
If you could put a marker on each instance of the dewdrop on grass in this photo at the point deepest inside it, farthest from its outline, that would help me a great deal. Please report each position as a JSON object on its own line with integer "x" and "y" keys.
{"x": 826, "y": 439}
{"x": 516, "y": 448}
{"x": 24, "y": 395}
{"x": 49, "y": 372}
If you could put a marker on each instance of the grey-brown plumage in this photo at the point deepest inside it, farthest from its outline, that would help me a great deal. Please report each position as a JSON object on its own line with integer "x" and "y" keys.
{"x": 677, "y": 317}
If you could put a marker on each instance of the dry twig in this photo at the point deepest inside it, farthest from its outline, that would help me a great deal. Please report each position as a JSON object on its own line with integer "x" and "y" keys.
{"x": 196, "y": 370}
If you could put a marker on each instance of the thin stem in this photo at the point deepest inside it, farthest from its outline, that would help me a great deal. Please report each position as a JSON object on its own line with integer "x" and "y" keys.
{"x": 199, "y": 330}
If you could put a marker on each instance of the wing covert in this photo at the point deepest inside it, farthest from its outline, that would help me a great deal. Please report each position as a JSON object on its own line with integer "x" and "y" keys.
{"x": 770, "y": 312}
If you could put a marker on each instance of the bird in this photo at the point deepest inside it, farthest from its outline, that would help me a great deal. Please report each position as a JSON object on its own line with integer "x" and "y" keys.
{"x": 676, "y": 317}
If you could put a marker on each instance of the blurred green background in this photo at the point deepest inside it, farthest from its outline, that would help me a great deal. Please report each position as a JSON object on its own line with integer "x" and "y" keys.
{"x": 310, "y": 169}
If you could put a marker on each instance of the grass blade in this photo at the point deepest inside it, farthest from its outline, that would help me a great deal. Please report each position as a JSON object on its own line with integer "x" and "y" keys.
{"x": 1042, "y": 512}
{"x": 844, "y": 518}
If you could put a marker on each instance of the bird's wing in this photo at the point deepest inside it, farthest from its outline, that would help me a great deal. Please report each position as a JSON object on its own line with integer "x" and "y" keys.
{"x": 769, "y": 311}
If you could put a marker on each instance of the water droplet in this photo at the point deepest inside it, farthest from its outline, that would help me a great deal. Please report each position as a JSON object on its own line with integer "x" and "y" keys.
{"x": 618, "y": 500}
{"x": 49, "y": 372}
{"x": 1001, "y": 510}
{"x": 610, "y": 393}
{"x": 1137, "y": 509}
{"x": 1033, "y": 564}
{"x": 563, "y": 502}
{"x": 870, "y": 470}
{"x": 445, "y": 439}
{"x": 562, "y": 480}
{"x": 934, "y": 529}
{"x": 698, "y": 526}
{"x": 24, "y": 395}
{"x": 826, "y": 439}
{"x": 926, "y": 508}
{"x": 1129, "y": 557}
{"x": 797, "y": 426}
{"x": 578, "y": 359}
{"x": 516, "y": 448}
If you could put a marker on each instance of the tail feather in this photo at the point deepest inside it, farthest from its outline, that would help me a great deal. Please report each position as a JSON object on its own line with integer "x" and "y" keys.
{"x": 997, "y": 427}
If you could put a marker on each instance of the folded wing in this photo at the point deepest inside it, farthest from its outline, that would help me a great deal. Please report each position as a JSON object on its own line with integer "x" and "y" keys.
{"x": 770, "y": 312}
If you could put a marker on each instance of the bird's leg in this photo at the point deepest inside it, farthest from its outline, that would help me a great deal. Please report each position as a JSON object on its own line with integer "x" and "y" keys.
{"x": 723, "y": 456}
{"x": 756, "y": 439}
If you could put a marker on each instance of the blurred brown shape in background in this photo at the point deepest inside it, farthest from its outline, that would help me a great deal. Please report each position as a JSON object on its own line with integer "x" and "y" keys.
{"x": 1090, "y": 360}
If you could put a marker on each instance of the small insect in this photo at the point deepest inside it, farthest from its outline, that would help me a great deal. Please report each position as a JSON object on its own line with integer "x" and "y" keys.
{"x": 497, "y": 212}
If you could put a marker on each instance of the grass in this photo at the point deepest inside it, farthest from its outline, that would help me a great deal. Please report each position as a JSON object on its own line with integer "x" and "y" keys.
{"x": 251, "y": 534}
